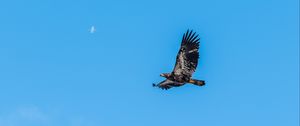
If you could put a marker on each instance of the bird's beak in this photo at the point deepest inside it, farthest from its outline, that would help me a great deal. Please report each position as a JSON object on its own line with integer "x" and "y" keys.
{"x": 162, "y": 75}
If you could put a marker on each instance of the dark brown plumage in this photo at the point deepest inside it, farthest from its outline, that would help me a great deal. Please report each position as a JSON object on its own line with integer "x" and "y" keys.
{"x": 186, "y": 64}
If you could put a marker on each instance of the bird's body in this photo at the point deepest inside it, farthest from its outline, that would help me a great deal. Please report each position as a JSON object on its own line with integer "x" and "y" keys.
{"x": 186, "y": 64}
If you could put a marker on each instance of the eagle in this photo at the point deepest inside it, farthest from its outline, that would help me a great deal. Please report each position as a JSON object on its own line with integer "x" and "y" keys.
{"x": 186, "y": 64}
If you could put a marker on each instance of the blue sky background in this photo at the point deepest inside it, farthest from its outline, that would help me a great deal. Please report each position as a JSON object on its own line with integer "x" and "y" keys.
{"x": 53, "y": 72}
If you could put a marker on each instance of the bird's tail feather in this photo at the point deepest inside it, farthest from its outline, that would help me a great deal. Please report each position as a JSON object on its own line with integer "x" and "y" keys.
{"x": 197, "y": 82}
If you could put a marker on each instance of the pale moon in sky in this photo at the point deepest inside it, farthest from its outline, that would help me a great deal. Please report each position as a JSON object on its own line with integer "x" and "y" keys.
{"x": 92, "y": 29}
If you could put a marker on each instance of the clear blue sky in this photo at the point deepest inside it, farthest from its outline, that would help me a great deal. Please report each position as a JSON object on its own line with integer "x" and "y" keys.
{"x": 54, "y": 72}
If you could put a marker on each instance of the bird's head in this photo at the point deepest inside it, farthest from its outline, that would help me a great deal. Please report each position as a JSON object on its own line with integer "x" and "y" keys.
{"x": 166, "y": 75}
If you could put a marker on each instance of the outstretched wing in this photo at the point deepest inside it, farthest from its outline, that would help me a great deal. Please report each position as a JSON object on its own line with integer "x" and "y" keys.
{"x": 167, "y": 84}
{"x": 187, "y": 57}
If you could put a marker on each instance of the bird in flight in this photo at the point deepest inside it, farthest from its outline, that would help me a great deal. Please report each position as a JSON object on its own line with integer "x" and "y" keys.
{"x": 186, "y": 64}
